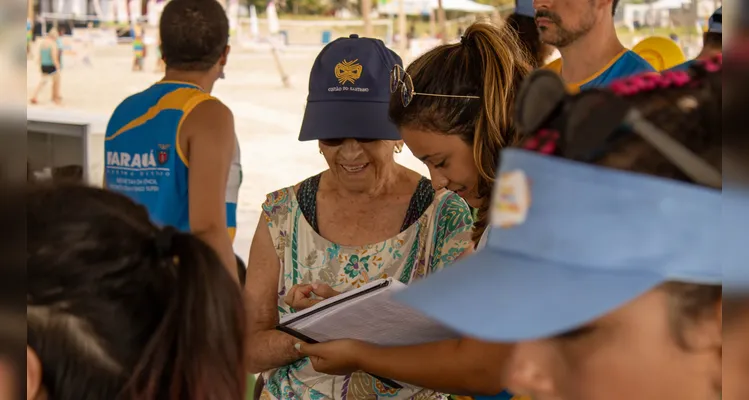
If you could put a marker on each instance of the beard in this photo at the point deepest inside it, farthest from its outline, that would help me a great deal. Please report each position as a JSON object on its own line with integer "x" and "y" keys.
{"x": 560, "y": 36}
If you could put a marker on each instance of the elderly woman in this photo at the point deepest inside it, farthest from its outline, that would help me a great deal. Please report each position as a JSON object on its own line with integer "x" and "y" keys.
{"x": 364, "y": 218}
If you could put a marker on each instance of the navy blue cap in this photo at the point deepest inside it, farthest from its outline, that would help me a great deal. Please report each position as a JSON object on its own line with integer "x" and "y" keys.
{"x": 349, "y": 92}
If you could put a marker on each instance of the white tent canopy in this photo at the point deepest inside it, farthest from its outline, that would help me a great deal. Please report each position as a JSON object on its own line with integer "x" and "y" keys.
{"x": 424, "y": 7}
{"x": 469, "y": 6}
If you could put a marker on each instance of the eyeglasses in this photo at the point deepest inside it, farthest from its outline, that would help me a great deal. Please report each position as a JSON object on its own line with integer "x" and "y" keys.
{"x": 400, "y": 78}
{"x": 589, "y": 121}
{"x": 338, "y": 142}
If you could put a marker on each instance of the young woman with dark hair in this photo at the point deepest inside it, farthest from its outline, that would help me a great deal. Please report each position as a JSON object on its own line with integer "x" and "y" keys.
{"x": 119, "y": 308}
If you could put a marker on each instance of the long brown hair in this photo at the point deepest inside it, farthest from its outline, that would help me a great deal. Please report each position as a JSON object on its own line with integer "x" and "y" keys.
{"x": 527, "y": 32}
{"x": 119, "y": 308}
{"x": 490, "y": 63}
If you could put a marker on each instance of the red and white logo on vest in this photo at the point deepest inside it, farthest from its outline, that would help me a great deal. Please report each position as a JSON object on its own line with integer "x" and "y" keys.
{"x": 163, "y": 154}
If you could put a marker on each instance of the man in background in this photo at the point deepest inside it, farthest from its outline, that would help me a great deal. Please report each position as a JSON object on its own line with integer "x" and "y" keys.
{"x": 583, "y": 32}
{"x": 172, "y": 147}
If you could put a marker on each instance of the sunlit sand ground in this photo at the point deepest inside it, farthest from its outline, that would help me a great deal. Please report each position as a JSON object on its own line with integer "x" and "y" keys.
{"x": 268, "y": 116}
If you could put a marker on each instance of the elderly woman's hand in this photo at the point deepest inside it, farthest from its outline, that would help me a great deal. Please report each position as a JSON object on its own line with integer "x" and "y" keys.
{"x": 299, "y": 296}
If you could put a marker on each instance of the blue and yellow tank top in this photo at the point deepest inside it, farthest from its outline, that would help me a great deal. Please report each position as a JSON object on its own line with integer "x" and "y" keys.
{"x": 145, "y": 162}
{"x": 138, "y": 48}
{"x": 626, "y": 63}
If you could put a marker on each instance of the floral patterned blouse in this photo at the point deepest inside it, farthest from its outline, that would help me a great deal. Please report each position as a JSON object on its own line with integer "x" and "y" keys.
{"x": 433, "y": 241}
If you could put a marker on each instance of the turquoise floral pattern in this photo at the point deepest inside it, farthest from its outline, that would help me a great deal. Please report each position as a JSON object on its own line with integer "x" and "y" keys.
{"x": 356, "y": 266}
{"x": 437, "y": 239}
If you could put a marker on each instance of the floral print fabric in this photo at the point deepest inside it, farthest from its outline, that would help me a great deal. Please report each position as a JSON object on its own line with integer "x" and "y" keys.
{"x": 435, "y": 240}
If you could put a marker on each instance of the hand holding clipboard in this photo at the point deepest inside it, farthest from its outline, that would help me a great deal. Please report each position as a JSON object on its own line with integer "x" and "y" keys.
{"x": 366, "y": 314}
{"x": 304, "y": 299}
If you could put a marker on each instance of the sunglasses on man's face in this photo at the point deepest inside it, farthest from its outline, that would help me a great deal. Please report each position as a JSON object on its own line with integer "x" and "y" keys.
{"x": 400, "y": 78}
{"x": 338, "y": 142}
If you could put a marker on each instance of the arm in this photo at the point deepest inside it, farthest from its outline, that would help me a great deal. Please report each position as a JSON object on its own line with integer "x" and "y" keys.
{"x": 451, "y": 366}
{"x": 209, "y": 132}
{"x": 459, "y": 366}
{"x": 266, "y": 347}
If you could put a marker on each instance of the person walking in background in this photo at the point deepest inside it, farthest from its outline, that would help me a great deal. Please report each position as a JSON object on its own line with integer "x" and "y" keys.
{"x": 583, "y": 31}
{"x": 160, "y": 66}
{"x": 524, "y": 23}
{"x": 87, "y": 47}
{"x": 61, "y": 48}
{"x": 29, "y": 37}
{"x": 139, "y": 49}
{"x": 49, "y": 63}
{"x": 172, "y": 147}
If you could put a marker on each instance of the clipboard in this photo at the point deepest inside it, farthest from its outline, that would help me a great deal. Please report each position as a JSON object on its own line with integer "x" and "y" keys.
{"x": 286, "y": 329}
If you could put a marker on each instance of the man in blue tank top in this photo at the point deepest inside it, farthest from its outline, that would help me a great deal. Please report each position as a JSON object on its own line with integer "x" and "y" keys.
{"x": 172, "y": 147}
{"x": 583, "y": 32}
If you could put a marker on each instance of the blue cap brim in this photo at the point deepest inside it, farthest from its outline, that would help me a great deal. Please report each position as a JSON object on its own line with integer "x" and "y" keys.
{"x": 347, "y": 119}
{"x": 497, "y": 296}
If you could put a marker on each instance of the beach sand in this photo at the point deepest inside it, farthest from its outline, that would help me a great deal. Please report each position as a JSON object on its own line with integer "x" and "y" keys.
{"x": 267, "y": 115}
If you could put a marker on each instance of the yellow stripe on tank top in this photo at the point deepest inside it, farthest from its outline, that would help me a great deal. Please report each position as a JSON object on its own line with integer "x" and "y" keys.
{"x": 183, "y": 99}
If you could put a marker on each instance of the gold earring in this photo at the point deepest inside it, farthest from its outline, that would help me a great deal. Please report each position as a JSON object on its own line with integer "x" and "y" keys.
{"x": 320, "y": 151}
{"x": 398, "y": 149}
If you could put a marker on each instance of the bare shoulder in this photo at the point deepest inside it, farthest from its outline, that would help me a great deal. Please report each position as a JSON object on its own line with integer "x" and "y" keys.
{"x": 211, "y": 111}
{"x": 209, "y": 129}
{"x": 210, "y": 116}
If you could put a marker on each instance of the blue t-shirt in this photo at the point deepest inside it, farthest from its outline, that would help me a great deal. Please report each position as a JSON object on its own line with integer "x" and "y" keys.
{"x": 683, "y": 66}
{"x": 626, "y": 63}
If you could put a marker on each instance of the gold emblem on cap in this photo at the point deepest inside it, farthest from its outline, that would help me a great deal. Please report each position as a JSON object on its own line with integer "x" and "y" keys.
{"x": 348, "y": 71}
